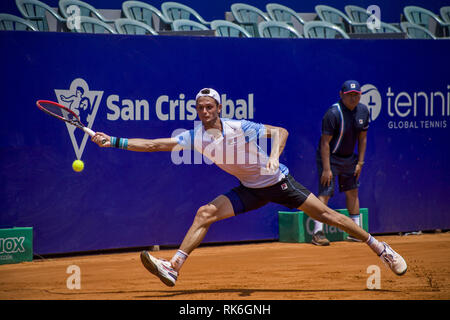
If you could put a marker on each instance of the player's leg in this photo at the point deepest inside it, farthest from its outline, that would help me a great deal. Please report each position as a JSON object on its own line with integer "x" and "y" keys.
{"x": 236, "y": 201}
{"x": 218, "y": 209}
{"x": 319, "y": 211}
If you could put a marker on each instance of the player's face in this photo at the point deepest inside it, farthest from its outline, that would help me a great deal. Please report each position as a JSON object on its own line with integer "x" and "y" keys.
{"x": 208, "y": 110}
{"x": 351, "y": 99}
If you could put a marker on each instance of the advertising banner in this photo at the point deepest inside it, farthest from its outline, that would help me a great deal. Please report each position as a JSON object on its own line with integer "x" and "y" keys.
{"x": 145, "y": 87}
{"x": 16, "y": 245}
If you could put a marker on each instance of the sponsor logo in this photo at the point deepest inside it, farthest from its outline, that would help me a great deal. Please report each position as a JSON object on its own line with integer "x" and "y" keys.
{"x": 418, "y": 109}
{"x": 12, "y": 245}
{"x": 84, "y": 102}
{"x": 326, "y": 228}
{"x": 408, "y": 110}
{"x": 371, "y": 97}
{"x": 167, "y": 108}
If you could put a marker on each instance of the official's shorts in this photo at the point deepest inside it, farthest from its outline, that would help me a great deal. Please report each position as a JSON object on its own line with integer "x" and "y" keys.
{"x": 344, "y": 169}
{"x": 287, "y": 192}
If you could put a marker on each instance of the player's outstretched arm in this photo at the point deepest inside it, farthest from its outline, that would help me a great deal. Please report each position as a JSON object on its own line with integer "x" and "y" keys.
{"x": 137, "y": 144}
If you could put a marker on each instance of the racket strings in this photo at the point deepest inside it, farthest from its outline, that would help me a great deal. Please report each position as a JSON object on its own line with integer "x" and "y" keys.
{"x": 63, "y": 113}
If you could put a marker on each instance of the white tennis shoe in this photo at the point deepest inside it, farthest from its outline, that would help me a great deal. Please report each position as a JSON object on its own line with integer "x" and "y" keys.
{"x": 393, "y": 260}
{"x": 160, "y": 268}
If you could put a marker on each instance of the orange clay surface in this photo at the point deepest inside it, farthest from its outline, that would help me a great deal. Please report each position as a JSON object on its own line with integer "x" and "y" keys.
{"x": 274, "y": 270}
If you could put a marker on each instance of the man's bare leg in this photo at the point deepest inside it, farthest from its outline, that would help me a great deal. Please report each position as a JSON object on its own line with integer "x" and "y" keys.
{"x": 319, "y": 211}
{"x": 218, "y": 209}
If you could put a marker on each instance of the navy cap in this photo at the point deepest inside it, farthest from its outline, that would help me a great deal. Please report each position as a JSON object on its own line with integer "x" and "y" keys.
{"x": 351, "y": 86}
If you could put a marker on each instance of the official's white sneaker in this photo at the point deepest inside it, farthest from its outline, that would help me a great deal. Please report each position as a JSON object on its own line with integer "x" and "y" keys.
{"x": 160, "y": 268}
{"x": 393, "y": 260}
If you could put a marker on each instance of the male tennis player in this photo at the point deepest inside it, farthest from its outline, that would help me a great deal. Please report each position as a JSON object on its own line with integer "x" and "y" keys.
{"x": 262, "y": 180}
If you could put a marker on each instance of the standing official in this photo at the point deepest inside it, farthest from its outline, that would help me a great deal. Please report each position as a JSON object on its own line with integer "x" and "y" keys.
{"x": 344, "y": 125}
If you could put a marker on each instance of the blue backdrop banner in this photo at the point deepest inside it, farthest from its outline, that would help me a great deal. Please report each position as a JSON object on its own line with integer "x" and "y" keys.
{"x": 140, "y": 86}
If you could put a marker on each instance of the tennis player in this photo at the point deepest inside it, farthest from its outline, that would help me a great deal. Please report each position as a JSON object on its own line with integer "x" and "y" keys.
{"x": 262, "y": 180}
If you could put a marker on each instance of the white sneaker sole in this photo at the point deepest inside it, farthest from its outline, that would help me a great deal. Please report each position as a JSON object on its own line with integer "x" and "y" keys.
{"x": 149, "y": 264}
{"x": 399, "y": 257}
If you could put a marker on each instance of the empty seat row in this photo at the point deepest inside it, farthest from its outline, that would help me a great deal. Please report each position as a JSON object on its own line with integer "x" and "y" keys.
{"x": 279, "y": 21}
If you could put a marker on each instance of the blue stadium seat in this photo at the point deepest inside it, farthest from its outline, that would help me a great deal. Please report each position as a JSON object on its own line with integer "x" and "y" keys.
{"x": 323, "y": 30}
{"x": 188, "y": 25}
{"x": 276, "y": 29}
{"x": 143, "y": 12}
{"x": 12, "y": 22}
{"x": 386, "y": 28}
{"x": 445, "y": 14}
{"x": 86, "y": 10}
{"x": 35, "y": 11}
{"x": 130, "y": 26}
{"x": 423, "y": 17}
{"x": 415, "y": 31}
{"x": 176, "y": 11}
{"x": 93, "y": 25}
{"x": 338, "y": 18}
{"x": 278, "y": 12}
{"x": 226, "y": 28}
{"x": 248, "y": 17}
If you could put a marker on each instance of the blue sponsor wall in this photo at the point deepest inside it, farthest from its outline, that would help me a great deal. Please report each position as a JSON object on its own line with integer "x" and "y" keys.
{"x": 128, "y": 199}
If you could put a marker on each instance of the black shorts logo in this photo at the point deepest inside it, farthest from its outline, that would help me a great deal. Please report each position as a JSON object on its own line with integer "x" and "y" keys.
{"x": 284, "y": 186}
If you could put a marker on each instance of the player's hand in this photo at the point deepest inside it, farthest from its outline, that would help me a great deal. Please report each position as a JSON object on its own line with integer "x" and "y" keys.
{"x": 326, "y": 178}
{"x": 357, "y": 172}
{"x": 102, "y": 140}
{"x": 272, "y": 164}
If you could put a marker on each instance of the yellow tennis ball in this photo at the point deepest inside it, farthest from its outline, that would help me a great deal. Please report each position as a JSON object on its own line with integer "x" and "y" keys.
{"x": 78, "y": 165}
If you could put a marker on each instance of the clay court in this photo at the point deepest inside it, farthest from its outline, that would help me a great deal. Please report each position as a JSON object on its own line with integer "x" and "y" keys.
{"x": 260, "y": 271}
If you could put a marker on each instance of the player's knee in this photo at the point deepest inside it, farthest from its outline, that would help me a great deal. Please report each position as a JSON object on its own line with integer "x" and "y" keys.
{"x": 205, "y": 215}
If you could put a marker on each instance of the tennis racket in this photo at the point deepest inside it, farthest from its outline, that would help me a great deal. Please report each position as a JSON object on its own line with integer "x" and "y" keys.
{"x": 65, "y": 114}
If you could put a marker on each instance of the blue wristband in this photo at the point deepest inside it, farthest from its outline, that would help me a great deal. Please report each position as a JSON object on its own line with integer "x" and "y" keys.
{"x": 120, "y": 143}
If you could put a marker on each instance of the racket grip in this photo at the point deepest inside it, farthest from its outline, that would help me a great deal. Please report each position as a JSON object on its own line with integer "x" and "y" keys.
{"x": 89, "y": 131}
{"x": 92, "y": 133}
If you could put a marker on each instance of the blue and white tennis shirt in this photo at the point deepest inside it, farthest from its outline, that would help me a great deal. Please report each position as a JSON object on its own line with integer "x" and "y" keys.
{"x": 236, "y": 151}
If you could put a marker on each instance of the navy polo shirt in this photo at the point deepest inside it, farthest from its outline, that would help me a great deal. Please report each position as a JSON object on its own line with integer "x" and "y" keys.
{"x": 344, "y": 125}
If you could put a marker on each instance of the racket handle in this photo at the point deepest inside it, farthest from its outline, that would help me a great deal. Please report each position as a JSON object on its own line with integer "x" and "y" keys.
{"x": 89, "y": 131}
{"x": 92, "y": 133}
